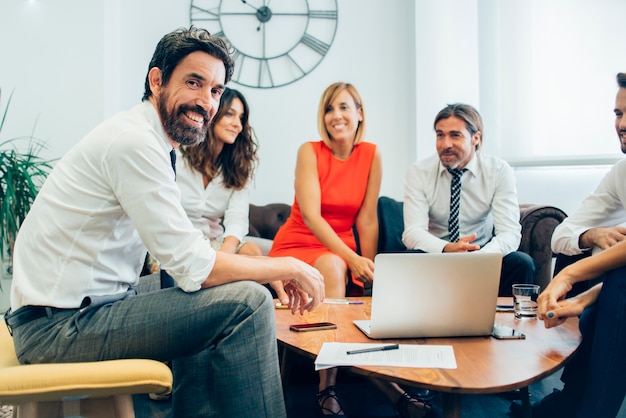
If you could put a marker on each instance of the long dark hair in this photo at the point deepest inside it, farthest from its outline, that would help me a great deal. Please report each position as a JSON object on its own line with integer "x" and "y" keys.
{"x": 236, "y": 161}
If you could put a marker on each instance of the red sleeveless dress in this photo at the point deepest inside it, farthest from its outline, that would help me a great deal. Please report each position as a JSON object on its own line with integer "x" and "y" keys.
{"x": 342, "y": 185}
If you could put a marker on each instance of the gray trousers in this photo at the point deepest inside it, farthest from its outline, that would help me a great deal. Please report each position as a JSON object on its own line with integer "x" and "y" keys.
{"x": 221, "y": 341}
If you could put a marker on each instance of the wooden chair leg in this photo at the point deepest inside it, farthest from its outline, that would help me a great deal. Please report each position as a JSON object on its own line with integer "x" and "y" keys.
{"x": 38, "y": 410}
{"x": 27, "y": 410}
{"x": 124, "y": 407}
{"x": 119, "y": 406}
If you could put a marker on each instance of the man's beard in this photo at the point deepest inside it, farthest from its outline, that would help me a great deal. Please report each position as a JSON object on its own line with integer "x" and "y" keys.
{"x": 178, "y": 130}
{"x": 445, "y": 155}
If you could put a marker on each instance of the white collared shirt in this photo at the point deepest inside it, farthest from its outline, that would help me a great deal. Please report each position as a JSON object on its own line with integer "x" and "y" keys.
{"x": 110, "y": 194}
{"x": 206, "y": 206}
{"x": 606, "y": 206}
{"x": 488, "y": 205}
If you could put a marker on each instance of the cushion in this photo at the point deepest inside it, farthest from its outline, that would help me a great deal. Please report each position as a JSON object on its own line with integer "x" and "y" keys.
{"x": 390, "y": 225}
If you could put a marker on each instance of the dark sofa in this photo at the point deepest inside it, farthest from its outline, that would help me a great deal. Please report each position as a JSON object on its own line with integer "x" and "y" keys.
{"x": 538, "y": 223}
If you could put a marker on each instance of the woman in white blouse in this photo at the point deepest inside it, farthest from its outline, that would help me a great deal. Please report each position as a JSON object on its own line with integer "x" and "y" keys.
{"x": 214, "y": 179}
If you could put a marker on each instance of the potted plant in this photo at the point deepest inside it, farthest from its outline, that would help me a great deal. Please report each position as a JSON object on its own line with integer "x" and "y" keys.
{"x": 22, "y": 172}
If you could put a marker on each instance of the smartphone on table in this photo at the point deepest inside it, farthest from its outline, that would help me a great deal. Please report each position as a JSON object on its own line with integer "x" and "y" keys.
{"x": 316, "y": 326}
{"x": 503, "y": 332}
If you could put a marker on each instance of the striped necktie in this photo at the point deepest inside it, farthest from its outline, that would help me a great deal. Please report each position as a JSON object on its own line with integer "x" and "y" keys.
{"x": 455, "y": 200}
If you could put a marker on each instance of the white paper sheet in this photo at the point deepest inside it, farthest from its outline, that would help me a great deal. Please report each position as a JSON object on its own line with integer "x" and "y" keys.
{"x": 407, "y": 355}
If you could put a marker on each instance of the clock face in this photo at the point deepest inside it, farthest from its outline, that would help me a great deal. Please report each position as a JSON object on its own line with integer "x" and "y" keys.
{"x": 276, "y": 41}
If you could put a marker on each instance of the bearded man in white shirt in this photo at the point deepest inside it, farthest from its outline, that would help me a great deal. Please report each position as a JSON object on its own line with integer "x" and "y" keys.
{"x": 593, "y": 379}
{"x": 113, "y": 197}
{"x": 600, "y": 221}
{"x": 488, "y": 219}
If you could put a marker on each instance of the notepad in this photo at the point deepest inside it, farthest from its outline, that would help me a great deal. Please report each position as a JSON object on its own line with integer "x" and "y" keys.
{"x": 407, "y": 355}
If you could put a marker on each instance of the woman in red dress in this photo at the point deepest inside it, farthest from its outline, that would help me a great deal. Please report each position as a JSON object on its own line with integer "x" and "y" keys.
{"x": 337, "y": 185}
{"x": 336, "y": 188}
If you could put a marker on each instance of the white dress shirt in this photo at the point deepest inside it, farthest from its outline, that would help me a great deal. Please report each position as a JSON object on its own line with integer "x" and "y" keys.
{"x": 606, "y": 206}
{"x": 489, "y": 205}
{"x": 110, "y": 194}
{"x": 206, "y": 206}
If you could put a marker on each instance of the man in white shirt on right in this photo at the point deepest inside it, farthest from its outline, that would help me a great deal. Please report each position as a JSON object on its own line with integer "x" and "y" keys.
{"x": 600, "y": 221}
{"x": 593, "y": 379}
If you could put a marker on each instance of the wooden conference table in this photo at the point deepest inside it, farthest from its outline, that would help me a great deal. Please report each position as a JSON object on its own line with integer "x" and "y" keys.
{"x": 484, "y": 364}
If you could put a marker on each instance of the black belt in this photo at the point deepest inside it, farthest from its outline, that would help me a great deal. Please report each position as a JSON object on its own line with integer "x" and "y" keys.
{"x": 25, "y": 314}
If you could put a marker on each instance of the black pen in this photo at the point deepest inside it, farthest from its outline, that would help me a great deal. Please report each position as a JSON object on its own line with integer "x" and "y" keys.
{"x": 369, "y": 350}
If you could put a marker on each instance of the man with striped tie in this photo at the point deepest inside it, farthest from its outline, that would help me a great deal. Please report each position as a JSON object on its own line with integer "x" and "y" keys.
{"x": 462, "y": 200}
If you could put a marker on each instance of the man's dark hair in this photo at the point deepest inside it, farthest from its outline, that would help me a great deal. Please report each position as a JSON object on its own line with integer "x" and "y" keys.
{"x": 467, "y": 113}
{"x": 621, "y": 80}
{"x": 175, "y": 46}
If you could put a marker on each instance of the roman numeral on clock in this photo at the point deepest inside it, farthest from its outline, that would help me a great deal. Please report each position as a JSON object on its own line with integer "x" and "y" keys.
{"x": 315, "y": 44}
{"x": 323, "y": 14}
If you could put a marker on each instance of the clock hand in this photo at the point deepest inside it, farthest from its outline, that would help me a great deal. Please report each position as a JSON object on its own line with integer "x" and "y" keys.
{"x": 263, "y": 14}
{"x": 264, "y": 5}
{"x": 248, "y": 4}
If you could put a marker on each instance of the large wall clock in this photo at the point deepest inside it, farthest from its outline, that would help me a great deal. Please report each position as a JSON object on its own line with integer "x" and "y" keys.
{"x": 276, "y": 42}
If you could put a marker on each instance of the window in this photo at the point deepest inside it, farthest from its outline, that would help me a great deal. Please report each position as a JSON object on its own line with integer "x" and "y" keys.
{"x": 547, "y": 79}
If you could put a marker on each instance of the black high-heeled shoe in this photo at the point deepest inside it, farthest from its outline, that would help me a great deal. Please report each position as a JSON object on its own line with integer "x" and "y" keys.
{"x": 406, "y": 402}
{"x": 322, "y": 397}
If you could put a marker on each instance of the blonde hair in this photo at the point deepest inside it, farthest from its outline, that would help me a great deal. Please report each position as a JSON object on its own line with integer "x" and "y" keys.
{"x": 328, "y": 96}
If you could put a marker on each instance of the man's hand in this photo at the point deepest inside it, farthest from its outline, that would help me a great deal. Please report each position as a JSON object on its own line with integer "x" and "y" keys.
{"x": 602, "y": 237}
{"x": 463, "y": 245}
{"x": 307, "y": 282}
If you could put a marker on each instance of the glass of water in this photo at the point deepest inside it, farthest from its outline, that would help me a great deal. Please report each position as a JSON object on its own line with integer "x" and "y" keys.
{"x": 525, "y": 300}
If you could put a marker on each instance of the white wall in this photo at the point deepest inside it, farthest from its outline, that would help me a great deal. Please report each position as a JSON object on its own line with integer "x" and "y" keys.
{"x": 87, "y": 60}
{"x": 446, "y": 62}
{"x": 72, "y": 63}
{"x": 51, "y": 57}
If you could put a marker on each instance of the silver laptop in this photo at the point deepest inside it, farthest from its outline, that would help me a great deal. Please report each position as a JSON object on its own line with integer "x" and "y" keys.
{"x": 418, "y": 295}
